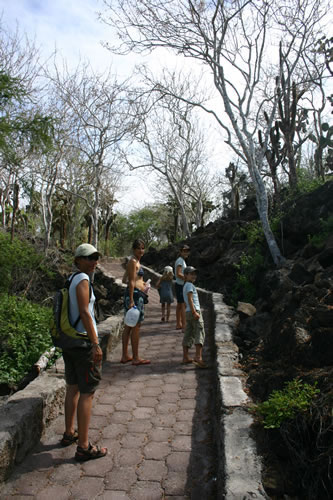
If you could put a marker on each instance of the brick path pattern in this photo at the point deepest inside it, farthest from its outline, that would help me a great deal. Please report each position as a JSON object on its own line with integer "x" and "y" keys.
{"x": 154, "y": 419}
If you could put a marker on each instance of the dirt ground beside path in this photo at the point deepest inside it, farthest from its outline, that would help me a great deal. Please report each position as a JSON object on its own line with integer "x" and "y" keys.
{"x": 156, "y": 421}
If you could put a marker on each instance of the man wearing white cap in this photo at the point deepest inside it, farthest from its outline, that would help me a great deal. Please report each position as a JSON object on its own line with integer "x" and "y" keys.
{"x": 82, "y": 364}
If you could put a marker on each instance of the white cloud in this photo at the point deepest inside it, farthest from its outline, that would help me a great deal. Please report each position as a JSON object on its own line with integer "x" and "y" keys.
{"x": 71, "y": 27}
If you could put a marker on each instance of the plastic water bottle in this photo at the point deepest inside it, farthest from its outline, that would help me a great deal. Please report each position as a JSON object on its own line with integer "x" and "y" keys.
{"x": 132, "y": 316}
{"x": 148, "y": 285}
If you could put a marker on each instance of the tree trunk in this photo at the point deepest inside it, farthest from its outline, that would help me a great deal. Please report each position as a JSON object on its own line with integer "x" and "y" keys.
{"x": 62, "y": 233}
{"x": 262, "y": 206}
{"x": 15, "y": 207}
{"x": 292, "y": 166}
{"x": 107, "y": 234}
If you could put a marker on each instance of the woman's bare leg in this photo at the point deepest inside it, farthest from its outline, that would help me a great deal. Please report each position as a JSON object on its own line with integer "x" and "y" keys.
{"x": 179, "y": 316}
{"x": 125, "y": 339}
{"x": 135, "y": 347}
{"x": 183, "y": 315}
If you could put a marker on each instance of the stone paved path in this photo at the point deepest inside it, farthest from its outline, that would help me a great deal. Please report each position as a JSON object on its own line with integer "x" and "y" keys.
{"x": 156, "y": 421}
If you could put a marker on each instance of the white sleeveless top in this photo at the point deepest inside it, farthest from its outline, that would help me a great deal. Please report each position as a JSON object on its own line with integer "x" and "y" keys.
{"x": 73, "y": 305}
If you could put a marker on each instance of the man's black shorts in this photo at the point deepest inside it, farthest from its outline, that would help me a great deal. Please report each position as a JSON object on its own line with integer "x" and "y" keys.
{"x": 80, "y": 369}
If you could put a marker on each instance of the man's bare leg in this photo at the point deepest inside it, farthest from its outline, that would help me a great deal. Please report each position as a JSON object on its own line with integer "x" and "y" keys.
{"x": 83, "y": 418}
{"x": 71, "y": 401}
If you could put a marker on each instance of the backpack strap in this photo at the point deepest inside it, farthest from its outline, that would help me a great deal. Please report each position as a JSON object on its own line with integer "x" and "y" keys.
{"x": 68, "y": 284}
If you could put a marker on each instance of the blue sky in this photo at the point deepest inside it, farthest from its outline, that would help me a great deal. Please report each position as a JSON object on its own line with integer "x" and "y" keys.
{"x": 69, "y": 25}
{"x": 73, "y": 29}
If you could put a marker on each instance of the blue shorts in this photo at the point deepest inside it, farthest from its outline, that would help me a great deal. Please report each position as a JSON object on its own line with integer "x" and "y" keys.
{"x": 179, "y": 293}
{"x": 138, "y": 301}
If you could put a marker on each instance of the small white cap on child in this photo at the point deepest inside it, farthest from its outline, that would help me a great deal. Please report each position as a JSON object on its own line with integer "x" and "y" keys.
{"x": 168, "y": 269}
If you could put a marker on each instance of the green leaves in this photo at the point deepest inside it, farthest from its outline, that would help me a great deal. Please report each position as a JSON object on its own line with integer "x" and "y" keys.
{"x": 19, "y": 123}
{"x": 286, "y": 404}
{"x": 24, "y": 336}
{"x": 17, "y": 259}
{"x": 325, "y": 231}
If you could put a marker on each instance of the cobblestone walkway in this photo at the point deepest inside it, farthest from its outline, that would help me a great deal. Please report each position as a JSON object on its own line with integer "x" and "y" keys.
{"x": 154, "y": 419}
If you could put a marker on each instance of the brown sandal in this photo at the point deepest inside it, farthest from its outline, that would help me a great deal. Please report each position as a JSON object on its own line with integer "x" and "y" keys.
{"x": 200, "y": 363}
{"x": 91, "y": 453}
{"x": 68, "y": 439}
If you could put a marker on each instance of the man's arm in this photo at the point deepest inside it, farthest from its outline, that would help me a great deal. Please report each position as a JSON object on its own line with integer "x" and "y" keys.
{"x": 82, "y": 294}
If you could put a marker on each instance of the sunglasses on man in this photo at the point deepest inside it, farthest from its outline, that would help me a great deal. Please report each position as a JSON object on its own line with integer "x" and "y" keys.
{"x": 94, "y": 256}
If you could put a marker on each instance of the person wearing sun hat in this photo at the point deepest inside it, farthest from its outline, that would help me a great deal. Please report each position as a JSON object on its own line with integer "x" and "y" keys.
{"x": 164, "y": 287}
{"x": 82, "y": 364}
{"x": 86, "y": 250}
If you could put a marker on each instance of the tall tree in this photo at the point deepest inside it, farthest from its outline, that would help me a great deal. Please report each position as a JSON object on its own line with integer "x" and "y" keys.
{"x": 100, "y": 117}
{"x": 169, "y": 143}
{"x": 25, "y": 130}
{"x": 234, "y": 40}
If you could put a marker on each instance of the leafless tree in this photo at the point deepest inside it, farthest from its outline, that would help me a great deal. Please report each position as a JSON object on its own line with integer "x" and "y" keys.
{"x": 19, "y": 57}
{"x": 235, "y": 40}
{"x": 169, "y": 143}
{"x": 100, "y": 117}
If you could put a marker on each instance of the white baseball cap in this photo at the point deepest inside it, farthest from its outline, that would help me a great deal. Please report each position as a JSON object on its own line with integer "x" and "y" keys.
{"x": 85, "y": 250}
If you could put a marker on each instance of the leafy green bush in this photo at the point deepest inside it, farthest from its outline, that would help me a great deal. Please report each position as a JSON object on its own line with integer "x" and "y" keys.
{"x": 24, "y": 336}
{"x": 245, "y": 286}
{"x": 253, "y": 232}
{"x": 17, "y": 259}
{"x": 307, "y": 182}
{"x": 286, "y": 404}
{"x": 326, "y": 230}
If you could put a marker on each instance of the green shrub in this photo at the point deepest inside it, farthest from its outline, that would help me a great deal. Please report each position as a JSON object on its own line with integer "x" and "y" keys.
{"x": 245, "y": 286}
{"x": 17, "y": 259}
{"x": 326, "y": 230}
{"x": 24, "y": 336}
{"x": 307, "y": 182}
{"x": 253, "y": 232}
{"x": 286, "y": 404}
